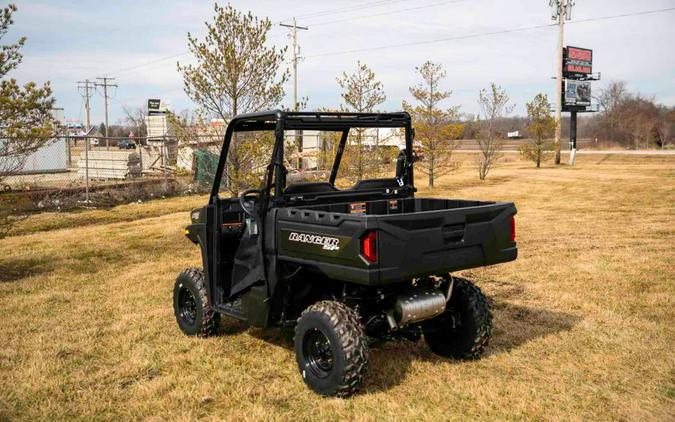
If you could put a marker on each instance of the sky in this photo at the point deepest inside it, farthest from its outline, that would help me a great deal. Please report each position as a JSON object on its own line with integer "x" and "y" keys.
{"x": 139, "y": 42}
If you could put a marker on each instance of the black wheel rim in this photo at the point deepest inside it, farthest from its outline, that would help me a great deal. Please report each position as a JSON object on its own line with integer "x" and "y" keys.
{"x": 187, "y": 306}
{"x": 318, "y": 353}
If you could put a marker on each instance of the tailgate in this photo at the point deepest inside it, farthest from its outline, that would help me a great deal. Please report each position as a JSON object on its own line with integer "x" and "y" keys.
{"x": 433, "y": 242}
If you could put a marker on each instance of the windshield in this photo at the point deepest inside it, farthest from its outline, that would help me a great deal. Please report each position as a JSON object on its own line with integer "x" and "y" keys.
{"x": 308, "y": 156}
{"x": 369, "y": 153}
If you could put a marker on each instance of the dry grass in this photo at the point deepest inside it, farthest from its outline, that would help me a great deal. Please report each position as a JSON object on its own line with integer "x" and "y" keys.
{"x": 584, "y": 319}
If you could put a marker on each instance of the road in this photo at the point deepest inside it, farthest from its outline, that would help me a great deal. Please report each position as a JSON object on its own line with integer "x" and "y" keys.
{"x": 597, "y": 151}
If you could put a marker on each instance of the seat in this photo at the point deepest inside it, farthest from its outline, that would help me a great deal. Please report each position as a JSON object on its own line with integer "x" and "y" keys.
{"x": 309, "y": 187}
{"x": 374, "y": 184}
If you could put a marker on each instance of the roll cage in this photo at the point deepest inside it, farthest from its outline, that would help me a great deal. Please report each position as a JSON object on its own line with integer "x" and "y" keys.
{"x": 279, "y": 121}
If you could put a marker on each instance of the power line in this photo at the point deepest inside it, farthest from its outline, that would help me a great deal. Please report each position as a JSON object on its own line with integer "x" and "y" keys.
{"x": 390, "y": 12}
{"x": 127, "y": 69}
{"x": 315, "y": 14}
{"x": 624, "y": 15}
{"x": 437, "y": 40}
{"x": 347, "y": 9}
{"x": 484, "y": 34}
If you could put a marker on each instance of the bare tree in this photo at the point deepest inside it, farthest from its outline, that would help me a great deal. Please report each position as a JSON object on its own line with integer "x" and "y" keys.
{"x": 494, "y": 104}
{"x": 631, "y": 119}
{"x": 541, "y": 127}
{"x": 612, "y": 96}
{"x": 361, "y": 93}
{"x": 134, "y": 117}
{"x": 436, "y": 129}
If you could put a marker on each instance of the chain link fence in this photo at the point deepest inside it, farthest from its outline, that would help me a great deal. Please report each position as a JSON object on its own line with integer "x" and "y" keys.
{"x": 98, "y": 171}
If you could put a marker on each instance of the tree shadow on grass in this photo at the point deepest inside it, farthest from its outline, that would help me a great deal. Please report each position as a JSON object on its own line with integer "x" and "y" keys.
{"x": 513, "y": 326}
{"x": 18, "y": 268}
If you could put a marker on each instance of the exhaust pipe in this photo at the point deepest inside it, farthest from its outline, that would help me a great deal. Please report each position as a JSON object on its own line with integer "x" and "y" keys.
{"x": 415, "y": 307}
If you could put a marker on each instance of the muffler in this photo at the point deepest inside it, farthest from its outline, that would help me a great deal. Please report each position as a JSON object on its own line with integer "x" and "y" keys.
{"x": 416, "y": 306}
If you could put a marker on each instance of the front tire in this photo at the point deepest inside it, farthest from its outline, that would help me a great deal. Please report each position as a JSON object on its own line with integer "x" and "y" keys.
{"x": 191, "y": 305}
{"x": 331, "y": 349}
{"x": 463, "y": 330}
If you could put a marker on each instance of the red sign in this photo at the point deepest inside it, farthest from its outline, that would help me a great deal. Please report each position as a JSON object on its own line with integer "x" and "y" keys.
{"x": 578, "y": 61}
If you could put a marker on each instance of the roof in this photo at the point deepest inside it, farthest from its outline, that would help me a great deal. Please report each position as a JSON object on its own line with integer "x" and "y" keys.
{"x": 267, "y": 120}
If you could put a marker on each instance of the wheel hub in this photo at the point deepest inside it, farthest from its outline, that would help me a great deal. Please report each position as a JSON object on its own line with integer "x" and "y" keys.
{"x": 187, "y": 305}
{"x": 318, "y": 353}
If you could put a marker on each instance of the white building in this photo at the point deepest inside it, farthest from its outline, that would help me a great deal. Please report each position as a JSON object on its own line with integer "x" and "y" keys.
{"x": 51, "y": 157}
{"x": 313, "y": 142}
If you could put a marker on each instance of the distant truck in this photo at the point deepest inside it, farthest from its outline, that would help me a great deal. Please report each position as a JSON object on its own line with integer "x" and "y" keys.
{"x": 514, "y": 135}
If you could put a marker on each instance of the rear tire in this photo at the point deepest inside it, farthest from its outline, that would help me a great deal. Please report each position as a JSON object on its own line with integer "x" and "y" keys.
{"x": 463, "y": 330}
{"x": 331, "y": 349}
{"x": 191, "y": 304}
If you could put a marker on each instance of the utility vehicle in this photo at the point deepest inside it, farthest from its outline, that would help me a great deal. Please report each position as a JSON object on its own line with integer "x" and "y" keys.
{"x": 345, "y": 267}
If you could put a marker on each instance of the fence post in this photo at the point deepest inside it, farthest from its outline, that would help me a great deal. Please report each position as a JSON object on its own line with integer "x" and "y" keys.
{"x": 140, "y": 157}
{"x": 69, "y": 160}
{"x": 161, "y": 153}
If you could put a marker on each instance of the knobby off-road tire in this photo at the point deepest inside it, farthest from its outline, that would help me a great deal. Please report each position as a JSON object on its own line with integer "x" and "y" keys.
{"x": 464, "y": 330}
{"x": 191, "y": 305}
{"x": 331, "y": 349}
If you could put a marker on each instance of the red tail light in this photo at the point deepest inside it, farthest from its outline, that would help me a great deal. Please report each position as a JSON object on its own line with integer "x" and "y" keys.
{"x": 369, "y": 247}
{"x": 513, "y": 229}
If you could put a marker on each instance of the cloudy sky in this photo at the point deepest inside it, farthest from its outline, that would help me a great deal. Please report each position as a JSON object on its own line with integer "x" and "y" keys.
{"x": 138, "y": 42}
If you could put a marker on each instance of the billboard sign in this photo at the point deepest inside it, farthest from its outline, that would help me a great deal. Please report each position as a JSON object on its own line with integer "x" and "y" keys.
{"x": 577, "y": 61}
{"x": 577, "y": 93}
{"x": 155, "y": 107}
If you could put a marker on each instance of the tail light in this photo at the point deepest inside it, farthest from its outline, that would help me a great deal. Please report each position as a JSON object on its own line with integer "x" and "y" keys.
{"x": 369, "y": 247}
{"x": 513, "y": 229}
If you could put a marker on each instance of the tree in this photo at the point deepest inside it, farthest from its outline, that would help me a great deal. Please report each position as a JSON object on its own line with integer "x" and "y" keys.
{"x": 541, "y": 126}
{"x": 134, "y": 117}
{"x": 236, "y": 72}
{"x": 436, "y": 129}
{"x": 361, "y": 93}
{"x": 494, "y": 104}
{"x": 631, "y": 119}
{"x": 26, "y": 122}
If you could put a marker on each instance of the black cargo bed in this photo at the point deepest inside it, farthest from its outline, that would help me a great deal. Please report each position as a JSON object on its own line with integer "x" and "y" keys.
{"x": 416, "y": 236}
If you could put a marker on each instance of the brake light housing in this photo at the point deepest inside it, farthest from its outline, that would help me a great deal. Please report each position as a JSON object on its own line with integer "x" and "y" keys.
{"x": 369, "y": 247}
{"x": 513, "y": 228}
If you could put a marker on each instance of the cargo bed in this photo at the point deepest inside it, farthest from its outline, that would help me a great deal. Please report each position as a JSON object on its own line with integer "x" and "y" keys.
{"x": 415, "y": 237}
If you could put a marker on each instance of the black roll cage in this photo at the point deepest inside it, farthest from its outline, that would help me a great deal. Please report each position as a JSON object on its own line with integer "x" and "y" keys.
{"x": 280, "y": 121}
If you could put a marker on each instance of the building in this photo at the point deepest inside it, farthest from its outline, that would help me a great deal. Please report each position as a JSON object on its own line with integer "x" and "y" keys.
{"x": 51, "y": 157}
{"x": 315, "y": 142}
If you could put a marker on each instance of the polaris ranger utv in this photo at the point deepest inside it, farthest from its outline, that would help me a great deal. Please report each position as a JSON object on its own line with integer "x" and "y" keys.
{"x": 343, "y": 266}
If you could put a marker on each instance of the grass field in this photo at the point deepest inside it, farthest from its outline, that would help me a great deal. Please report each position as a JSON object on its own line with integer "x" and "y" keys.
{"x": 584, "y": 319}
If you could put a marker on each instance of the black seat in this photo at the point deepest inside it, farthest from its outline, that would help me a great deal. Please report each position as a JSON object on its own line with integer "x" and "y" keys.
{"x": 309, "y": 187}
{"x": 374, "y": 184}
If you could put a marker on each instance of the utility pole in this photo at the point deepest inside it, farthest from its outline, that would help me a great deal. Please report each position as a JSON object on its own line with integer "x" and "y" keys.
{"x": 562, "y": 11}
{"x": 296, "y": 53}
{"x": 105, "y": 86}
{"x": 87, "y": 86}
